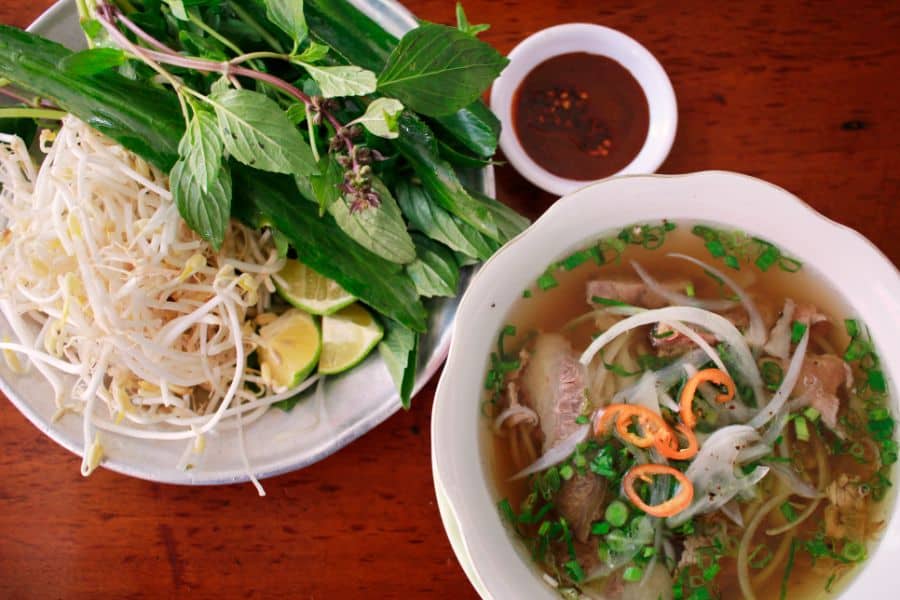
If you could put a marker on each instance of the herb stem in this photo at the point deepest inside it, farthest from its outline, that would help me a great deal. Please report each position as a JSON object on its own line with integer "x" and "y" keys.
{"x": 192, "y": 16}
{"x": 31, "y": 113}
{"x": 244, "y": 16}
{"x": 256, "y": 55}
{"x": 143, "y": 35}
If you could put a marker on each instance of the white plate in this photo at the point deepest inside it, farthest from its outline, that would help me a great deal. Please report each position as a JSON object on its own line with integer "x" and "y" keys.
{"x": 498, "y": 565}
{"x": 278, "y": 442}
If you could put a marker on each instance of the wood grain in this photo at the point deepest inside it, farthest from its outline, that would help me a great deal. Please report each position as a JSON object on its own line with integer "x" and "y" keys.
{"x": 803, "y": 94}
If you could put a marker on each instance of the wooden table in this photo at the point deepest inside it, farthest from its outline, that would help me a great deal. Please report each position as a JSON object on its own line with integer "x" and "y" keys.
{"x": 803, "y": 94}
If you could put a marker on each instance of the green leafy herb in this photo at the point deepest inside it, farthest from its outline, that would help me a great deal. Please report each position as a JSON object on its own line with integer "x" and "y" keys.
{"x": 93, "y": 61}
{"x": 437, "y": 70}
{"x": 607, "y": 301}
{"x": 399, "y": 349}
{"x": 462, "y": 22}
{"x": 257, "y": 133}
{"x": 788, "y": 568}
{"x": 202, "y": 148}
{"x": 325, "y": 185}
{"x": 434, "y": 270}
{"x": 338, "y": 81}
{"x": 381, "y": 231}
{"x": 797, "y": 331}
{"x": 381, "y": 117}
{"x": 288, "y": 16}
{"x": 604, "y": 463}
{"x": 788, "y": 511}
{"x": 206, "y": 212}
{"x": 574, "y": 570}
{"x": 601, "y": 528}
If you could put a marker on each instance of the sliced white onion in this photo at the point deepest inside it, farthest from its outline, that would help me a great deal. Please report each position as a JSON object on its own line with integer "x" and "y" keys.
{"x": 794, "y": 483}
{"x": 516, "y": 410}
{"x": 676, "y": 298}
{"x": 733, "y": 511}
{"x": 756, "y": 335}
{"x": 779, "y": 343}
{"x": 721, "y": 327}
{"x": 786, "y": 387}
{"x": 713, "y": 471}
{"x": 557, "y": 454}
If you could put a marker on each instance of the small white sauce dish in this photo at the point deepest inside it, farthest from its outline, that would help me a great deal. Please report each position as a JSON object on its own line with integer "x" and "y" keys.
{"x": 496, "y": 562}
{"x": 593, "y": 39}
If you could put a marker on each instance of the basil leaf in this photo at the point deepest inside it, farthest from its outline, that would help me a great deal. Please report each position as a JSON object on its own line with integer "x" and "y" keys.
{"x": 381, "y": 118}
{"x": 296, "y": 113}
{"x": 462, "y": 22}
{"x": 288, "y": 16}
{"x": 208, "y": 212}
{"x": 475, "y": 127}
{"x": 437, "y": 70}
{"x": 434, "y": 271}
{"x": 257, "y": 133}
{"x": 201, "y": 147}
{"x": 313, "y": 53}
{"x": 380, "y": 229}
{"x": 440, "y": 225}
{"x": 92, "y": 61}
{"x": 177, "y": 8}
{"x": 509, "y": 222}
{"x": 342, "y": 81}
{"x": 417, "y": 144}
{"x": 399, "y": 350}
{"x": 324, "y": 186}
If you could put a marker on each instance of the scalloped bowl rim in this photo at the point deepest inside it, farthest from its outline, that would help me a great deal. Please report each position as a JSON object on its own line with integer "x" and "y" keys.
{"x": 846, "y": 260}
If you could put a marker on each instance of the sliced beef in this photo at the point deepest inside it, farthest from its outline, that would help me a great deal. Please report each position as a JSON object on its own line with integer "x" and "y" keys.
{"x": 553, "y": 384}
{"x": 820, "y": 378}
{"x": 846, "y": 512}
{"x": 632, "y": 291}
{"x": 668, "y": 342}
{"x": 582, "y": 500}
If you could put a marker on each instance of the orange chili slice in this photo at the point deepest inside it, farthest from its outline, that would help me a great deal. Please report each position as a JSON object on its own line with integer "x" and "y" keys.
{"x": 668, "y": 446}
{"x": 652, "y": 425}
{"x": 716, "y": 376}
{"x": 674, "y": 505}
{"x": 605, "y": 422}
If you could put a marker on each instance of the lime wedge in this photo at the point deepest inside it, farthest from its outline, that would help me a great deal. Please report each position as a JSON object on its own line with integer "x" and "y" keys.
{"x": 347, "y": 337}
{"x": 309, "y": 291}
{"x": 289, "y": 348}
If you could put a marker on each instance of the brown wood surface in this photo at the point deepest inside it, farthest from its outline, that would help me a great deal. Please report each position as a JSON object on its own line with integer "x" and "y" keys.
{"x": 804, "y": 94}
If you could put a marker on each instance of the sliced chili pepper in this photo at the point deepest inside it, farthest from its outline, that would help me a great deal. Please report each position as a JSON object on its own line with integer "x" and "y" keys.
{"x": 672, "y": 506}
{"x": 716, "y": 376}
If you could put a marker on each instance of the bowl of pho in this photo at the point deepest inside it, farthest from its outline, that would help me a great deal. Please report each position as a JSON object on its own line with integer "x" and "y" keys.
{"x": 652, "y": 393}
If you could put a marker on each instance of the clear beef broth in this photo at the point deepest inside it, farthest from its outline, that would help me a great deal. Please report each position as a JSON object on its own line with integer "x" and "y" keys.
{"x": 547, "y": 311}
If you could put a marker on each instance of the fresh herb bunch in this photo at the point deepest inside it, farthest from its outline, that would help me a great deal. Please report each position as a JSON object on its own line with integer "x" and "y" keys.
{"x": 304, "y": 117}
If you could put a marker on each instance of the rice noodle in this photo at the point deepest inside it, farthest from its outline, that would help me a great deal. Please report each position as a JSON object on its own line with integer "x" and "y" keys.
{"x": 676, "y": 298}
{"x": 743, "y": 554}
{"x": 128, "y": 302}
{"x": 794, "y": 483}
{"x": 756, "y": 334}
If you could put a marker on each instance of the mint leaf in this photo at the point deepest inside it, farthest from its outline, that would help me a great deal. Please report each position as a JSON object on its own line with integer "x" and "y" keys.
{"x": 208, "y": 212}
{"x": 434, "y": 271}
{"x": 201, "y": 147}
{"x": 399, "y": 350}
{"x": 313, "y": 53}
{"x": 380, "y": 229}
{"x": 257, "y": 133}
{"x": 462, "y": 22}
{"x": 342, "y": 81}
{"x": 92, "y": 61}
{"x": 288, "y": 16}
{"x": 437, "y": 70}
{"x": 381, "y": 117}
{"x": 440, "y": 225}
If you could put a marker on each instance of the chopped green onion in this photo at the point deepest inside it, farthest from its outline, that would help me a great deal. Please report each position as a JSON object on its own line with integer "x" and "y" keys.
{"x": 547, "y": 281}
{"x": 618, "y": 541}
{"x": 854, "y": 551}
{"x": 759, "y": 562}
{"x": 791, "y": 265}
{"x": 830, "y": 582}
{"x": 876, "y": 381}
{"x": 852, "y": 326}
{"x": 664, "y": 335}
{"x": 506, "y": 510}
{"x": 812, "y": 414}
{"x": 801, "y": 428}
{"x": 574, "y": 570}
{"x": 788, "y": 511}
{"x": 566, "y": 472}
{"x": 772, "y": 374}
{"x": 689, "y": 290}
{"x": 633, "y": 574}
{"x": 768, "y": 258}
{"x": 788, "y": 568}
{"x": 648, "y": 552}
{"x": 600, "y": 528}
{"x": 616, "y": 513}
{"x": 797, "y": 331}
{"x": 582, "y": 420}
{"x": 526, "y": 294}
{"x": 710, "y": 572}
{"x": 575, "y": 260}
{"x": 716, "y": 248}
{"x": 732, "y": 261}
{"x": 857, "y": 451}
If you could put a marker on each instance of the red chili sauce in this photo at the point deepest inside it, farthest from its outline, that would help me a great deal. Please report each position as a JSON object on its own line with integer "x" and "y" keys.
{"x": 581, "y": 116}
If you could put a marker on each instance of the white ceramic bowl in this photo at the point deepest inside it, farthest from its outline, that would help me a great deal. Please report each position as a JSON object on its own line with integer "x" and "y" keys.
{"x": 497, "y": 564}
{"x": 593, "y": 39}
